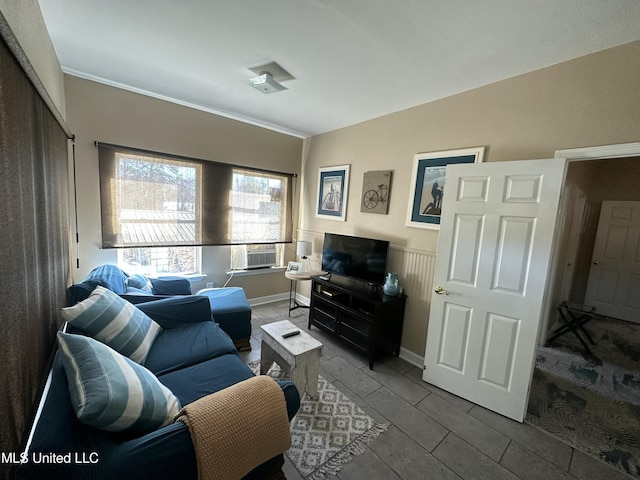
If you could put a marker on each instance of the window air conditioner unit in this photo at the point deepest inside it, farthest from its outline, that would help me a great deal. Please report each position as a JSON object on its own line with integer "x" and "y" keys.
{"x": 259, "y": 256}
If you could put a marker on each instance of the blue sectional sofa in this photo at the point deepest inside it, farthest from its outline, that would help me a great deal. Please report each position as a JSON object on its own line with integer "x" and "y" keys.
{"x": 229, "y": 306}
{"x": 193, "y": 358}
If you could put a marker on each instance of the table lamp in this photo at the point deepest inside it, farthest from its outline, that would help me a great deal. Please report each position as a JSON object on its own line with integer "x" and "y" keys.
{"x": 303, "y": 250}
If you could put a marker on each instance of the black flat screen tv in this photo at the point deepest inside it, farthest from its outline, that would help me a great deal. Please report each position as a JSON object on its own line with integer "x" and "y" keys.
{"x": 356, "y": 257}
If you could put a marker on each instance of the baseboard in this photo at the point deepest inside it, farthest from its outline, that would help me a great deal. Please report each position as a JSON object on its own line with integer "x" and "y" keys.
{"x": 302, "y": 300}
{"x": 411, "y": 357}
{"x": 268, "y": 299}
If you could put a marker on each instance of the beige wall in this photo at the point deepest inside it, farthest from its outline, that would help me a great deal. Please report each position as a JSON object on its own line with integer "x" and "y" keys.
{"x": 26, "y": 22}
{"x": 593, "y": 100}
{"x": 111, "y": 115}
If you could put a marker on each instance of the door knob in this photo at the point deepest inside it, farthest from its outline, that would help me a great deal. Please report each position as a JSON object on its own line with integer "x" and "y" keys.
{"x": 596, "y": 262}
{"x": 439, "y": 290}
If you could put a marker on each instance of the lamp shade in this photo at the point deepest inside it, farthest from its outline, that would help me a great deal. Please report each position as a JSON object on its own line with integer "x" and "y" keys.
{"x": 303, "y": 248}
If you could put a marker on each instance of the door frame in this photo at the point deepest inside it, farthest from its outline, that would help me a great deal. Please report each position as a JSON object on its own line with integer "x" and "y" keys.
{"x": 600, "y": 152}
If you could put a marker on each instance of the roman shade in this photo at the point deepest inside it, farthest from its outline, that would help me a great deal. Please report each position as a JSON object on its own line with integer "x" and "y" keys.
{"x": 151, "y": 199}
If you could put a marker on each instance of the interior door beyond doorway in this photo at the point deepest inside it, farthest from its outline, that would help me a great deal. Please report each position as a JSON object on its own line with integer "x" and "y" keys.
{"x": 492, "y": 268}
{"x": 613, "y": 288}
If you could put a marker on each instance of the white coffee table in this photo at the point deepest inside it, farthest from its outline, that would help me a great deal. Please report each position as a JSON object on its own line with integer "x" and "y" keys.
{"x": 299, "y": 354}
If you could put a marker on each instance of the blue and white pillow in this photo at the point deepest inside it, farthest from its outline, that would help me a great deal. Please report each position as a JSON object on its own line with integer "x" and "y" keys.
{"x": 112, "y": 320}
{"x": 140, "y": 282}
{"x": 110, "y": 392}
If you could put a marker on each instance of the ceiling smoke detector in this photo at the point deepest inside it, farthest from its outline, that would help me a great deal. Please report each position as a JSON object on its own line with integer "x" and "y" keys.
{"x": 269, "y": 77}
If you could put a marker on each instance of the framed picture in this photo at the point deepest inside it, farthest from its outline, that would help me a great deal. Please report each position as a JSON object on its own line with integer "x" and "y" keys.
{"x": 294, "y": 267}
{"x": 333, "y": 187}
{"x": 427, "y": 184}
{"x": 376, "y": 189}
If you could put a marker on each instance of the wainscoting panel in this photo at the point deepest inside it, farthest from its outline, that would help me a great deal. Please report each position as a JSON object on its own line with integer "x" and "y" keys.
{"x": 415, "y": 270}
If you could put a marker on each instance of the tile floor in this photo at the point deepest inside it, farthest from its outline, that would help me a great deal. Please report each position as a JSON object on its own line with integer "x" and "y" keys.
{"x": 432, "y": 434}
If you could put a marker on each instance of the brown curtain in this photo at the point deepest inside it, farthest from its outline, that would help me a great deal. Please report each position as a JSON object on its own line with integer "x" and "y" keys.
{"x": 34, "y": 234}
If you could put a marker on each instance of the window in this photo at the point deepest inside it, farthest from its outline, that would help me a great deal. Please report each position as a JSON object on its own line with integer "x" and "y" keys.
{"x": 159, "y": 260}
{"x": 155, "y": 201}
{"x": 152, "y": 200}
{"x": 256, "y": 213}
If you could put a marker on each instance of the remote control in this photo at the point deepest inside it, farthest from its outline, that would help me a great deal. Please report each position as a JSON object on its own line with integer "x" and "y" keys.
{"x": 290, "y": 334}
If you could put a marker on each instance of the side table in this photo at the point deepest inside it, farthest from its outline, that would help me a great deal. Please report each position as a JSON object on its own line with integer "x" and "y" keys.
{"x": 299, "y": 354}
{"x": 293, "y": 287}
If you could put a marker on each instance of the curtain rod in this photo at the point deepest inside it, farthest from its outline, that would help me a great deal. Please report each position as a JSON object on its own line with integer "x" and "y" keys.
{"x": 22, "y": 59}
{"x": 182, "y": 157}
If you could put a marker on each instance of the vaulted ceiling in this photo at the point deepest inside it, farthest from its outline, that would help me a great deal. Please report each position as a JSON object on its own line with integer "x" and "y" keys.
{"x": 352, "y": 60}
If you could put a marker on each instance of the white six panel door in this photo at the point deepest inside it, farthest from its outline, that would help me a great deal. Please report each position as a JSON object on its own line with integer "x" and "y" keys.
{"x": 493, "y": 260}
{"x": 614, "y": 278}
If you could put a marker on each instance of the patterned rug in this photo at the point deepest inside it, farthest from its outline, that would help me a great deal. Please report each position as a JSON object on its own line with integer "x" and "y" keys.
{"x": 616, "y": 342}
{"x": 592, "y": 402}
{"x": 327, "y": 432}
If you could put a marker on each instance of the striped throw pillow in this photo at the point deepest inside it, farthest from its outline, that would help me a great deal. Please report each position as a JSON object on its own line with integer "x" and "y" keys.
{"x": 140, "y": 282}
{"x": 111, "y": 319}
{"x": 110, "y": 392}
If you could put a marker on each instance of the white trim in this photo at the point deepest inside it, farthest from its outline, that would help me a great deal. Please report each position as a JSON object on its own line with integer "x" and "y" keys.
{"x": 268, "y": 299}
{"x": 222, "y": 113}
{"x": 619, "y": 150}
{"x": 302, "y": 300}
{"x": 256, "y": 271}
{"x": 412, "y": 358}
{"x": 43, "y": 398}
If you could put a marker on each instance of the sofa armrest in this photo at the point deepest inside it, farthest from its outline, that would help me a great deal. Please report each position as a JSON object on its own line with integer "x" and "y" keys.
{"x": 236, "y": 429}
{"x": 174, "y": 312}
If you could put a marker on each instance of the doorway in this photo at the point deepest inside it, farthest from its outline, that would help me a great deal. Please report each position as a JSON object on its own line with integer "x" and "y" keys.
{"x": 584, "y": 398}
{"x": 608, "y": 175}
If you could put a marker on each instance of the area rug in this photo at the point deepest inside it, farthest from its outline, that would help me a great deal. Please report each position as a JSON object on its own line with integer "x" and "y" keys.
{"x": 327, "y": 432}
{"x": 591, "y": 405}
{"x": 616, "y": 342}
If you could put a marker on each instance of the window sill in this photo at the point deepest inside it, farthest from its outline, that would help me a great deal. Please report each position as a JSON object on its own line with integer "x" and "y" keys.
{"x": 256, "y": 271}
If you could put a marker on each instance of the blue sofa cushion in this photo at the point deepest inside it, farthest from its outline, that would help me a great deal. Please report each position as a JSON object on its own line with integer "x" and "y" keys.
{"x": 114, "y": 321}
{"x": 198, "y": 342}
{"x": 110, "y": 392}
{"x": 171, "y": 286}
{"x": 139, "y": 282}
{"x": 109, "y": 276}
{"x": 171, "y": 312}
{"x": 194, "y": 382}
{"x": 230, "y": 309}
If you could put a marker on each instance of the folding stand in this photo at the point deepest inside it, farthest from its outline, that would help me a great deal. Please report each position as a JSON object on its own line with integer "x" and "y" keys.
{"x": 574, "y": 321}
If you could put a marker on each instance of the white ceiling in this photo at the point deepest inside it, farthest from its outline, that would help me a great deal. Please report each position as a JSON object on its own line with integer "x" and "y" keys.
{"x": 352, "y": 60}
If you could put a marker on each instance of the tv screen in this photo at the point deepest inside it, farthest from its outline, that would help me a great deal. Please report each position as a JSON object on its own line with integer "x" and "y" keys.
{"x": 356, "y": 257}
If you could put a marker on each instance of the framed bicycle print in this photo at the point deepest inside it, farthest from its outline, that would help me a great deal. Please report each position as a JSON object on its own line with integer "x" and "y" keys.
{"x": 427, "y": 184}
{"x": 376, "y": 188}
{"x": 333, "y": 187}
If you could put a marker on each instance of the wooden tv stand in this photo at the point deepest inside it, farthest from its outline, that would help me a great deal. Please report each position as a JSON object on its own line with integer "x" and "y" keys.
{"x": 358, "y": 314}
